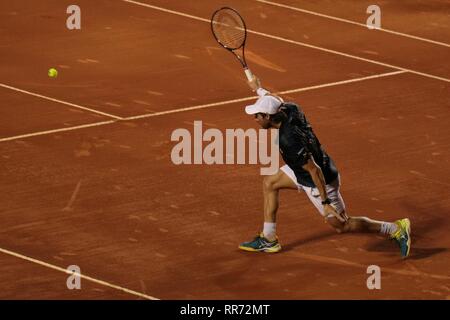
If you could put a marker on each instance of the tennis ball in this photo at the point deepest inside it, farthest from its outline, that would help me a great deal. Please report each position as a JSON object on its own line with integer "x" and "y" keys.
{"x": 52, "y": 73}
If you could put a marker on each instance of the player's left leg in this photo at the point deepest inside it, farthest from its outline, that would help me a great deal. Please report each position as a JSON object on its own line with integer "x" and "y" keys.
{"x": 271, "y": 186}
{"x": 267, "y": 241}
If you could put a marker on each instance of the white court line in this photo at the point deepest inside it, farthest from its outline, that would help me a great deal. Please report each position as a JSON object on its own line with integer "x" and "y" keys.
{"x": 101, "y": 282}
{"x": 167, "y": 10}
{"x": 352, "y": 22}
{"x": 293, "y": 42}
{"x": 344, "y": 82}
{"x": 351, "y": 56}
{"x": 203, "y": 106}
{"x": 149, "y": 115}
{"x": 59, "y": 101}
{"x": 73, "y": 197}
{"x": 41, "y": 133}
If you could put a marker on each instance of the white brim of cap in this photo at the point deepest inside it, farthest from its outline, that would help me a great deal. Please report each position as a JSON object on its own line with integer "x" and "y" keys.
{"x": 266, "y": 104}
{"x": 252, "y": 109}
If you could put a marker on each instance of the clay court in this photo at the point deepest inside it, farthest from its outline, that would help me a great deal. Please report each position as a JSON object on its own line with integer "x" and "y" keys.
{"x": 85, "y": 158}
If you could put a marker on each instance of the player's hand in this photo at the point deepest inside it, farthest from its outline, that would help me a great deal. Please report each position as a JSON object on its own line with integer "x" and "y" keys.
{"x": 255, "y": 83}
{"x": 330, "y": 209}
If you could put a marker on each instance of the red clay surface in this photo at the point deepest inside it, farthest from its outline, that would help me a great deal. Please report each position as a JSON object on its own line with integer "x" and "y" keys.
{"x": 109, "y": 199}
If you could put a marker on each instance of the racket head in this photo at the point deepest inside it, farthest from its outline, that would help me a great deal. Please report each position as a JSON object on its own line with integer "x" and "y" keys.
{"x": 229, "y": 28}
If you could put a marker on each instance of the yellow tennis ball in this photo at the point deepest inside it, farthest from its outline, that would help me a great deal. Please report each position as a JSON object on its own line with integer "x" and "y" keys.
{"x": 52, "y": 73}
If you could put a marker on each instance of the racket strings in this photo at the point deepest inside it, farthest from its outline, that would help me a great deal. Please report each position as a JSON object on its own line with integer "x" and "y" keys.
{"x": 229, "y": 29}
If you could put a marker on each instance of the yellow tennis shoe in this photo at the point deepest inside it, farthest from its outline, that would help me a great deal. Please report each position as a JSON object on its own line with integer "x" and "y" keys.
{"x": 403, "y": 236}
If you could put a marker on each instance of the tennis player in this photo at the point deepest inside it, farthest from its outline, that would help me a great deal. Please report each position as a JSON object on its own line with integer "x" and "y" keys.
{"x": 310, "y": 169}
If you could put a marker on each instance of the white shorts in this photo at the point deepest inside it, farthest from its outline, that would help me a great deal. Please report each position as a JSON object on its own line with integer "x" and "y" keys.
{"x": 313, "y": 193}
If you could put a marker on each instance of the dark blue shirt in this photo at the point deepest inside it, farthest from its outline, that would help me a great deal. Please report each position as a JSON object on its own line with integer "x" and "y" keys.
{"x": 298, "y": 143}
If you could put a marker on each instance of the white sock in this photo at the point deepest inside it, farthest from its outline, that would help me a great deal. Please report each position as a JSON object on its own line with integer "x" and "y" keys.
{"x": 388, "y": 228}
{"x": 269, "y": 231}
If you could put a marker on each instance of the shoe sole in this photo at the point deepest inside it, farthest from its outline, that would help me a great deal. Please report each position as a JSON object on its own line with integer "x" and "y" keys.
{"x": 275, "y": 249}
{"x": 408, "y": 232}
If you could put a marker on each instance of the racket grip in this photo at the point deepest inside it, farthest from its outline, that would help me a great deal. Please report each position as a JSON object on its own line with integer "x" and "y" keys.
{"x": 249, "y": 74}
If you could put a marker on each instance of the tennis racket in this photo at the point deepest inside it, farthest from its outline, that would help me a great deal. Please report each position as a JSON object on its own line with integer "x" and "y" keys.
{"x": 230, "y": 31}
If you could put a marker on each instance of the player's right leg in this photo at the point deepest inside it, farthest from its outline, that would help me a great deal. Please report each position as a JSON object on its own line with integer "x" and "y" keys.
{"x": 400, "y": 230}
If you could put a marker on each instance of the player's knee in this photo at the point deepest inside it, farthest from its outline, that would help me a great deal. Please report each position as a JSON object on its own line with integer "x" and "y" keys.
{"x": 339, "y": 226}
{"x": 350, "y": 225}
{"x": 269, "y": 183}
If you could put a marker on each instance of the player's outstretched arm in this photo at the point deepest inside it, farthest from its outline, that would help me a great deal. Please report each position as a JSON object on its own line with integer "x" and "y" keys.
{"x": 317, "y": 176}
{"x": 255, "y": 83}
{"x": 319, "y": 180}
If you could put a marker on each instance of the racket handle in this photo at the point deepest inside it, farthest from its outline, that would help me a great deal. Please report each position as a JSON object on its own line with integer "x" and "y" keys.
{"x": 249, "y": 74}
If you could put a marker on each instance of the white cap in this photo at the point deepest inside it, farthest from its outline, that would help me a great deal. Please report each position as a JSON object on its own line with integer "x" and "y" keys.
{"x": 265, "y": 104}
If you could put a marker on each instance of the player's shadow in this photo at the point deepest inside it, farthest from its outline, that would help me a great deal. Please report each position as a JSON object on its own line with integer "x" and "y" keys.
{"x": 316, "y": 237}
{"x": 416, "y": 253}
{"x": 422, "y": 253}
